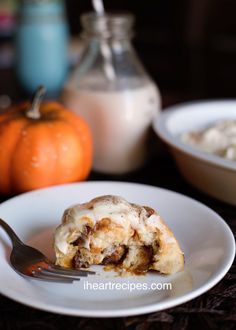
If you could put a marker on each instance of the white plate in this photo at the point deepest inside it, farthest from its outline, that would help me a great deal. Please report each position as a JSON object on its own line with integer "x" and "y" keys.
{"x": 205, "y": 238}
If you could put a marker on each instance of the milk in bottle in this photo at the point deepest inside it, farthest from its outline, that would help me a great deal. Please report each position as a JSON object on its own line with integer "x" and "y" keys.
{"x": 119, "y": 110}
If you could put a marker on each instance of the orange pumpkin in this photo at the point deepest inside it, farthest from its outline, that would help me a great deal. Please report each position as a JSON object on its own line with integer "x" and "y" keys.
{"x": 42, "y": 144}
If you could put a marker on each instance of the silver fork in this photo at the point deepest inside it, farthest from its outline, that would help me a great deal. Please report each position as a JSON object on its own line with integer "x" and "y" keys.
{"x": 30, "y": 262}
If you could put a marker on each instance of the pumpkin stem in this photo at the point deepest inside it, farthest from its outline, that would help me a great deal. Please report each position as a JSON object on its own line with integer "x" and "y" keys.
{"x": 33, "y": 112}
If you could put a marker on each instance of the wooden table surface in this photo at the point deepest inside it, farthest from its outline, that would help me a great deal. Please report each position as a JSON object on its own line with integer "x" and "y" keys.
{"x": 216, "y": 309}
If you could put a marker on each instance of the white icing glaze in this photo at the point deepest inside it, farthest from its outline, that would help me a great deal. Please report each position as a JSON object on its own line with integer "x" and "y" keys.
{"x": 117, "y": 209}
{"x": 219, "y": 139}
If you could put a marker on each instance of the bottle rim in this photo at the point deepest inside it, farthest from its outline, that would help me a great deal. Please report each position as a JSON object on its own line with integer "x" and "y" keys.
{"x": 110, "y": 25}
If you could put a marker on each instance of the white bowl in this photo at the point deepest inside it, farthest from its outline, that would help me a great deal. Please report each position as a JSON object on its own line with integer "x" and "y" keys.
{"x": 212, "y": 174}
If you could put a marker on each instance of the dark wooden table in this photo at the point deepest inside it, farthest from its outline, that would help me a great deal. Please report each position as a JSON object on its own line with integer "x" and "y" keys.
{"x": 215, "y": 309}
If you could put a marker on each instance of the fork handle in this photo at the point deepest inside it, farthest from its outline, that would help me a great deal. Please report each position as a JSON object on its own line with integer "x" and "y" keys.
{"x": 14, "y": 238}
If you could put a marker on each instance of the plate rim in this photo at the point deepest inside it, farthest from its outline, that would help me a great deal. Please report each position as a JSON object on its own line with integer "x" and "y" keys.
{"x": 153, "y": 307}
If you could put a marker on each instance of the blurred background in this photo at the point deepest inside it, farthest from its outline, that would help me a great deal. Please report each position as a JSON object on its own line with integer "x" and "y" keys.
{"x": 187, "y": 46}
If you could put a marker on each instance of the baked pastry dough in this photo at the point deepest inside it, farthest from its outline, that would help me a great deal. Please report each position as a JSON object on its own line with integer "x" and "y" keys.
{"x": 108, "y": 230}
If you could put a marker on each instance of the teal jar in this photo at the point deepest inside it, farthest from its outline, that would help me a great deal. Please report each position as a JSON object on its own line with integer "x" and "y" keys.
{"x": 42, "y": 45}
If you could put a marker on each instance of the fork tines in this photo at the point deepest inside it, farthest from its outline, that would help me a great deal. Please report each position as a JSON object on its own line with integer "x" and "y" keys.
{"x": 49, "y": 278}
{"x": 60, "y": 274}
{"x": 73, "y": 271}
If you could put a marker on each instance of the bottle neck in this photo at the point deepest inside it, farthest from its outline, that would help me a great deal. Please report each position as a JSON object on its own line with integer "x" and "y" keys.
{"x": 109, "y": 61}
{"x": 117, "y": 46}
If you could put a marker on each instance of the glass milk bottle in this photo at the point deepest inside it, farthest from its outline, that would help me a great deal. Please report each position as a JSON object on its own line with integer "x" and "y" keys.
{"x": 41, "y": 45}
{"x": 112, "y": 91}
